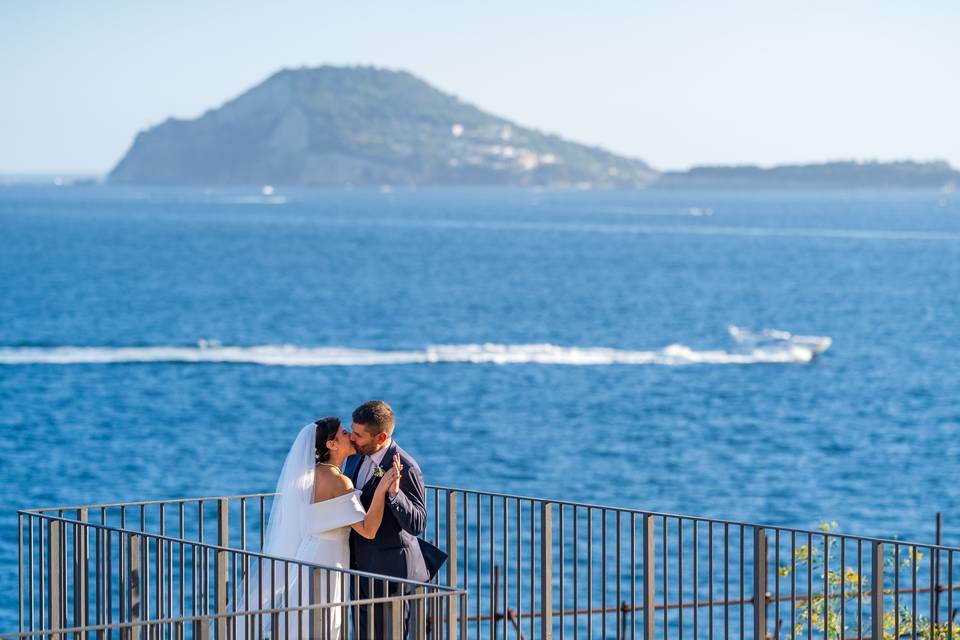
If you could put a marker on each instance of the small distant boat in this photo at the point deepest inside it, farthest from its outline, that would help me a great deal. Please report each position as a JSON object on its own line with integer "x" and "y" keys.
{"x": 774, "y": 339}
{"x": 267, "y": 190}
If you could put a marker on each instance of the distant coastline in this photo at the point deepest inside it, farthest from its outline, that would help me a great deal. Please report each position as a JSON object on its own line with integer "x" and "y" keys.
{"x": 905, "y": 174}
{"x": 48, "y": 178}
{"x": 840, "y": 175}
{"x": 366, "y": 127}
{"x": 370, "y": 127}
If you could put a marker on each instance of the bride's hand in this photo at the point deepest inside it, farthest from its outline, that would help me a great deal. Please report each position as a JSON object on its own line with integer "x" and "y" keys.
{"x": 394, "y": 475}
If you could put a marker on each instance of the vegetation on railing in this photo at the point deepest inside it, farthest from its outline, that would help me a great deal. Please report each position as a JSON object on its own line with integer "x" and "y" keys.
{"x": 846, "y": 587}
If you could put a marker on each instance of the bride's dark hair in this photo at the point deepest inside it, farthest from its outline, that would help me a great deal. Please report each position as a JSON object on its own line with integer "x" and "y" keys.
{"x": 327, "y": 429}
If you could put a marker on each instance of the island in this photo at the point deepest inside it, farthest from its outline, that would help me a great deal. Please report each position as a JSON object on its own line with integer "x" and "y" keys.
{"x": 364, "y": 126}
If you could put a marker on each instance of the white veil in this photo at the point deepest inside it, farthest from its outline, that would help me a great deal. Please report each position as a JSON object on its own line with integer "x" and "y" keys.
{"x": 285, "y": 530}
{"x": 286, "y": 526}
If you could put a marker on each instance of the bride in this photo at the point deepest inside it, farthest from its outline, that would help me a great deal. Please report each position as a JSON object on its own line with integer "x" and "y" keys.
{"x": 313, "y": 512}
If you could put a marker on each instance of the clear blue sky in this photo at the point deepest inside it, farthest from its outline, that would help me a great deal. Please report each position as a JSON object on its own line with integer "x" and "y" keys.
{"x": 675, "y": 83}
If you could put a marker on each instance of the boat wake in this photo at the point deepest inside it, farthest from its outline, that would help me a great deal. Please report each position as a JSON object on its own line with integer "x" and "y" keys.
{"x": 767, "y": 347}
{"x": 263, "y": 199}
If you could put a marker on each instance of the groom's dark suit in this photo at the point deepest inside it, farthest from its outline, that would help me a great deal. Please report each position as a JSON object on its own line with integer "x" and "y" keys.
{"x": 395, "y": 550}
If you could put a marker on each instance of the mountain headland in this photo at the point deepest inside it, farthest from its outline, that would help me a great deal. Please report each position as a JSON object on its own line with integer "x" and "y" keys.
{"x": 362, "y": 126}
{"x": 365, "y": 126}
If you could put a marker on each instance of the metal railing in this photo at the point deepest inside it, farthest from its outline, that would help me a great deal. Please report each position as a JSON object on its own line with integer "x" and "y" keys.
{"x": 530, "y": 568}
{"x": 204, "y": 627}
{"x": 113, "y": 573}
{"x": 537, "y": 568}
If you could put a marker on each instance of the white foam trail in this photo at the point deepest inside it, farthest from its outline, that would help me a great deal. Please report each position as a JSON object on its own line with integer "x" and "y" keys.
{"x": 694, "y": 212}
{"x": 883, "y": 235}
{"x": 266, "y": 198}
{"x": 499, "y": 354}
{"x": 688, "y": 230}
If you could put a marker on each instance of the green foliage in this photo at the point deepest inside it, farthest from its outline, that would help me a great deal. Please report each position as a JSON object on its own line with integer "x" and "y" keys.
{"x": 856, "y": 591}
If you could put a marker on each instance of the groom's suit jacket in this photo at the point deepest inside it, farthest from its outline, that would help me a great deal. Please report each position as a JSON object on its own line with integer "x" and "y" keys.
{"x": 395, "y": 550}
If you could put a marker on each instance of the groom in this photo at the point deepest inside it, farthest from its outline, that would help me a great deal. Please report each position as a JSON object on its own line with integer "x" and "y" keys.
{"x": 395, "y": 550}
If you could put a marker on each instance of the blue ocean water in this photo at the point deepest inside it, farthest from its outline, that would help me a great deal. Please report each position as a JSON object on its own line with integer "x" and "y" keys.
{"x": 171, "y": 342}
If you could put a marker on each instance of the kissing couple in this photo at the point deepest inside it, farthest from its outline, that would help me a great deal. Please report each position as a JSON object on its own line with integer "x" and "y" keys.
{"x": 348, "y": 500}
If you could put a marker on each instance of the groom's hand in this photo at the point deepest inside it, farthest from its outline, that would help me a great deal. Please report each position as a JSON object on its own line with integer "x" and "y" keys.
{"x": 394, "y": 487}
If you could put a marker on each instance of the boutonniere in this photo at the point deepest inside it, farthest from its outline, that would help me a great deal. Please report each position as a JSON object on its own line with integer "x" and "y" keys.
{"x": 378, "y": 472}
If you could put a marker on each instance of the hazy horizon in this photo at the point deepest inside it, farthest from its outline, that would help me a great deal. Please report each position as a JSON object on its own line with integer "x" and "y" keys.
{"x": 675, "y": 85}
{"x": 81, "y": 174}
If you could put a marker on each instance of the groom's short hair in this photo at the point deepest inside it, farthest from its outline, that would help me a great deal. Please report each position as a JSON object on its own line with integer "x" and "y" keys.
{"x": 376, "y": 415}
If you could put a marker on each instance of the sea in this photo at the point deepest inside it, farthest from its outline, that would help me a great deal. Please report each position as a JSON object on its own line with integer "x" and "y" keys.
{"x": 783, "y": 357}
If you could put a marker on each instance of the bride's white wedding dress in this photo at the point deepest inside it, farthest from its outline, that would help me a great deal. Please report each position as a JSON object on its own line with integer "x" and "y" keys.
{"x": 298, "y": 529}
{"x": 327, "y": 542}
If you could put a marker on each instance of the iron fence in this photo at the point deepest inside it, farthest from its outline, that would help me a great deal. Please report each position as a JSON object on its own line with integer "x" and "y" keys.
{"x": 203, "y": 627}
{"x": 98, "y": 576}
{"x": 530, "y": 568}
{"x": 537, "y": 568}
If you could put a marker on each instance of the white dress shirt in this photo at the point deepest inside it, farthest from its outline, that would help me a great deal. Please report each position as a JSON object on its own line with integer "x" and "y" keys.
{"x": 370, "y": 463}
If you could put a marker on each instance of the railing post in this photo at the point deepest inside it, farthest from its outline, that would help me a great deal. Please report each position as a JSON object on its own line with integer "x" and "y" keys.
{"x": 419, "y": 614}
{"x": 135, "y": 568}
{"x": 759, "y": 583}
{"x": 876, "y": 593}
{"x": 452, "y": 562}
{"x": 80, "y": 581}
{"x": 546, "y": 571}
{"x": 649, "y": 570}
{"x": 316, "y": 616}
{"x": 20, "y": 572}
{"x": 222, "y": 562}
{"x": 54, "y": 571}
{"x": 396, "y": 619}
